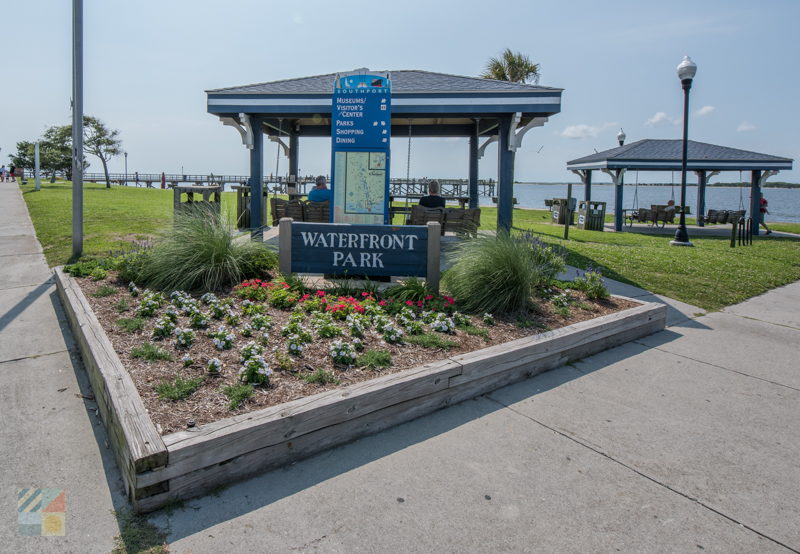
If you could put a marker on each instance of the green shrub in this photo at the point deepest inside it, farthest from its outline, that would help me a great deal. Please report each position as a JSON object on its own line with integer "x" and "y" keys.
{"x": 375, "y": 359}
{"x": 104, "y": 290}
{"x": 431, "y": 340}
{"x": 85, "y": 268}
{"x": 413, "y": 289}
{"x": 131, "y": 324}
{"x": 475, "y": 331}
{"x": 320, "y": 377}
{"x": 131, "y": 266}
{"x": 199, "y": 253}
{"x": 179, "y": 389}
{"x": 500, "y": 274}
{"x": 150, "y": 352}
{"x": 122, "y": 305}
{"x": 238, "y": 394}
{"x": 592, "y": 284}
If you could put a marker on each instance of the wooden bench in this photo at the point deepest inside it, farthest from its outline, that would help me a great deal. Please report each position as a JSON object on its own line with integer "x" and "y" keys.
{"x": 298, "y": 210}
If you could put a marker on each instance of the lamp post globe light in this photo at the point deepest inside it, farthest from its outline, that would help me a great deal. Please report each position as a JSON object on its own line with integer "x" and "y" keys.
{"x": 621, "y": 136}
{"x": 686, "y": 72}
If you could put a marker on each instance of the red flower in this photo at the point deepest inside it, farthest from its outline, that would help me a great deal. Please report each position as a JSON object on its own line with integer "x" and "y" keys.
{"x": 320, "y": 293}
{"x": 419, "y": 303}
{"x": 429, "y": 297}
{"x": 382, "y": 303}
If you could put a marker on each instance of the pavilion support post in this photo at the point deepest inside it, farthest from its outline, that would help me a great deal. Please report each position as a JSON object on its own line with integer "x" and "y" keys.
{"x": 473, "y": 167}
{"x": 618, "y": 190}
{"x": 505, "y": 176}
{"x": 256, "y": 182}
{"x": 617, "y": 176}
{"x": 586, "y": 179}
{"x": 294, "y": 158}
{"x": 702, "y": 180}
{"x": 755, "y": 199}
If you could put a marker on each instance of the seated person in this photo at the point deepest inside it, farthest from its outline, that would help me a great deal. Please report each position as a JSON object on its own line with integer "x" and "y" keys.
{"x": 320, "y": 192}
{"x": 433, "y": 200}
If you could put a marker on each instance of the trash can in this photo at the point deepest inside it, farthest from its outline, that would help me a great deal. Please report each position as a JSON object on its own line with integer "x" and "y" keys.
{"x": 559, "y": 211}
{"x": 243, "y": 206}
{"x": 591, "y": 216}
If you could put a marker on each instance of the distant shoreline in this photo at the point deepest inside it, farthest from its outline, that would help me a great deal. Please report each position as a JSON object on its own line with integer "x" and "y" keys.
{"x": 776, "y": 185}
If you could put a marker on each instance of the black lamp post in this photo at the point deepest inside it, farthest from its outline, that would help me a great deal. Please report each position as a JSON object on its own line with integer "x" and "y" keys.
{"x": 686, "y": 72}
{"x": 126, "y": 168}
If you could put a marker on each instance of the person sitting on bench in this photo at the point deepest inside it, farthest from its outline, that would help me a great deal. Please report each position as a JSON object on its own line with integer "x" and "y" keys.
{"x": 320, "y": 192}
{"x": 433, "y": 200}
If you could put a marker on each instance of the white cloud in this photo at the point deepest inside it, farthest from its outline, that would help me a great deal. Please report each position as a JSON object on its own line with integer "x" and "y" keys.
{"x": 744, "y": 126}
{"x": 583, "y": 130}
{"x": 580, "y": 131}
{"x": 660, "y": 119}
{"x": 705, "y": 110}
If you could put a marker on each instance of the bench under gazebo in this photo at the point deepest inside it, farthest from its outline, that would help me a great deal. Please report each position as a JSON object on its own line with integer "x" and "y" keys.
{"x": 706, "y": 160}
{"x": 424, "y": 104}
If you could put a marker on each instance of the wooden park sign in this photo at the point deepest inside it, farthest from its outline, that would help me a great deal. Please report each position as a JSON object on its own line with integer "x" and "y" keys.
{"x": 343, "y": 249}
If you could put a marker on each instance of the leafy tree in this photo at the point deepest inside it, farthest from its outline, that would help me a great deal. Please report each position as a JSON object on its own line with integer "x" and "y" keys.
{"x": 55, "y": 152}
{"x": 512, "y": 66}
{"x": 100, "y": 141}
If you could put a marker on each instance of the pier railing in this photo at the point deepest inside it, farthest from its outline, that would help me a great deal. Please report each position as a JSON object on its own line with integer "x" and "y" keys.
{"x": 398, "y": 188}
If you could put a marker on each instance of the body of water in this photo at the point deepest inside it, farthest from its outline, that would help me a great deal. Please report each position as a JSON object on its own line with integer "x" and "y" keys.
{"x": 784, "y": 204}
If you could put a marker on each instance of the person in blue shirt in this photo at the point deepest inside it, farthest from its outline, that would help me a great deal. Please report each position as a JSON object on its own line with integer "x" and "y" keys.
{"x": 320, "y": 193}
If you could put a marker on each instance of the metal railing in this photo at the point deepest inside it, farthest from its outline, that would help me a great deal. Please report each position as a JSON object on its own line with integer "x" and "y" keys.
{"x": 742, "y": 232}
{"x": 398, "y": 188}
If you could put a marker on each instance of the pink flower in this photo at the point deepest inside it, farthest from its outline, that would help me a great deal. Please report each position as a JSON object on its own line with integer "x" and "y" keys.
{"x": 409, "y": 302}
{"x": 320, "y": 293}
{"x": 382, "y": 303}
{"x": 429, "y": 297}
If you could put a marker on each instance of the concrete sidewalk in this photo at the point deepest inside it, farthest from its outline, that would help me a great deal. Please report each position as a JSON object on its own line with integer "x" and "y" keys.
{"x": 50, "y": 436}
{"x": 686, "y": 440}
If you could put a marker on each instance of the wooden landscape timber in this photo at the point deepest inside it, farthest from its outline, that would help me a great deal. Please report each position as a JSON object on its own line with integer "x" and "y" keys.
{"x": 158, "y": 470}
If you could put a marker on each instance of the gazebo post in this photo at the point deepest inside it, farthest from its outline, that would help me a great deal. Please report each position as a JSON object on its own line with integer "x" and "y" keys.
{"x": 755, "y": 199}
{"x": 586, "y": 179}
{"x": 701, "y": 196}
{"x": 505, "y": 176}
{"x": 256, "y": 179}
{"x": 294, "y": 152}
{"x": 473, "y": 167}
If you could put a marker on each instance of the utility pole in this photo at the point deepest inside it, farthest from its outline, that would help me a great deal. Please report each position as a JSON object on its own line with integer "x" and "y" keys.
{"x": 77, "y": 128}
{"x": 36, "y": 166}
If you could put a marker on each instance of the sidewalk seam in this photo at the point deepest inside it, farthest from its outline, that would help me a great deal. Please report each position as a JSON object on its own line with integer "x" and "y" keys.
{"x": 720, "y": 367}
{"x": 33, "y": 356}
{"x": 641, "y": 474}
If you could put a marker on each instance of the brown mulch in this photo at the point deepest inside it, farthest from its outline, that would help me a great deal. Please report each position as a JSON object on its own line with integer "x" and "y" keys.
{"x": 209, "y": 404}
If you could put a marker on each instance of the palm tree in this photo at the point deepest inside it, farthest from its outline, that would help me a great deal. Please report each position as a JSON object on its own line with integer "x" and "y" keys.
{"x": 514, "y": 67}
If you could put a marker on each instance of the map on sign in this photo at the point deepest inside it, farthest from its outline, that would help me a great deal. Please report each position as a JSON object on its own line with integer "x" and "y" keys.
{"x": 364, "y": 181}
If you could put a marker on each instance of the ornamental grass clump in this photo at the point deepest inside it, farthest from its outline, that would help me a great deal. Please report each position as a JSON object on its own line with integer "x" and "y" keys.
{"x": 198, "y": 252}
{"x": 500, "y": 274}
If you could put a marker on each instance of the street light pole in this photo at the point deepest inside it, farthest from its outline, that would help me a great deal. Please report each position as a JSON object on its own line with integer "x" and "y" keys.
{"x": 126, "y": 168}
{"x": 686, "y": 72}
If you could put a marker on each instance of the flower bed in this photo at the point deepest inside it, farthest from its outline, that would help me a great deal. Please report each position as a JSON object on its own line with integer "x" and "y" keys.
{"x": 250, "y": 380}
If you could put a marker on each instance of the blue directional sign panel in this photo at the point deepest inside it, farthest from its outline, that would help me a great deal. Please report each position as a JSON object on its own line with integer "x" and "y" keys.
{"x": 339, "y": 249}
{"x": 360, "y": 136}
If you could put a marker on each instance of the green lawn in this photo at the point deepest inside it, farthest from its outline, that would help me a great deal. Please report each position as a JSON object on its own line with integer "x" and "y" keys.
{"x": 113, "y": 218}
{"x": 712, "y": 275}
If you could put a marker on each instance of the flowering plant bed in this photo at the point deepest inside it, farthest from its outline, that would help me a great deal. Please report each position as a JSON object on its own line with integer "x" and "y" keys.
{"x": 199, "y": 391}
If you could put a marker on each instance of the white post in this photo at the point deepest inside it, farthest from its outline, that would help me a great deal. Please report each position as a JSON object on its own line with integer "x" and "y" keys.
{"x": 285, "y": 245}
{"x": 36, "y": 166}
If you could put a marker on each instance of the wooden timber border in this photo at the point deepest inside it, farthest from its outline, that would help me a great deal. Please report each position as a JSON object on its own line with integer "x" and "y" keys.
{"x": 158, "y": 470}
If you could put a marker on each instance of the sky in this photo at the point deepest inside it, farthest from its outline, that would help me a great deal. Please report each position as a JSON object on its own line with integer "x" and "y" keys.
{"x": 148, "y": 63}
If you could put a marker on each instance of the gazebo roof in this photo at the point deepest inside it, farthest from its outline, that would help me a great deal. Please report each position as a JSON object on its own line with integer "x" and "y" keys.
{"x": 665, "y": 155}
{"x": 432, "y": 103}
